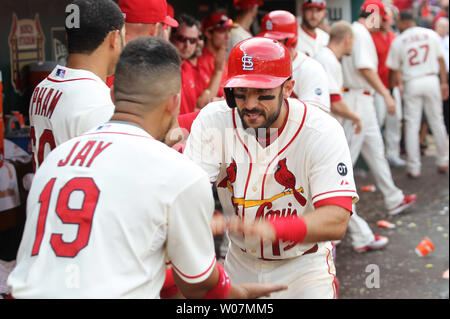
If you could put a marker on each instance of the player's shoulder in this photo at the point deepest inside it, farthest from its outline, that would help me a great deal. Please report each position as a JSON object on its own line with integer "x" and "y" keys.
{"x": 319, "y": 122}
{"x": 215, "y": 114}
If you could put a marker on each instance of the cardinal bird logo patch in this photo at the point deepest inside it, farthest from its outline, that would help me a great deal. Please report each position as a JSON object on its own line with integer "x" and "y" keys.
{"x": 286, "y": 178}
{"x": 231, "y": 175}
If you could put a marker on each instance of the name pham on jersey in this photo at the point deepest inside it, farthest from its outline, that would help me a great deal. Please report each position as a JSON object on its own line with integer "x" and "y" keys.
{"x": 85, "y": 151}
{"x": 415, "y": 38}
{"x": 44, "y": 101}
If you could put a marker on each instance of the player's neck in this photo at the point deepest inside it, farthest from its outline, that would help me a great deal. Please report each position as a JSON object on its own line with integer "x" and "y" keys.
{"x": 336, "y": 50}
{"x": 245, "y": 21}
{"x": 87, "y": 62}
{"x": 279, "y": 122}
{"x": 311, "y": 32}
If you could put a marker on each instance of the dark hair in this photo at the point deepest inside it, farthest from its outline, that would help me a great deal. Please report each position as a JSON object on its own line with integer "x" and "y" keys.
{"x": 147, "y": 63}
{"x": 187, "y": 20}
{"x": 365, "y": 13}
{"x": 406, "y": 15}
{"x": 97, "y": 18}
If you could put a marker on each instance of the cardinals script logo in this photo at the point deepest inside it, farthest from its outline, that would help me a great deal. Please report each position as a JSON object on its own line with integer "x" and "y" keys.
{"x": 247, "y": 62}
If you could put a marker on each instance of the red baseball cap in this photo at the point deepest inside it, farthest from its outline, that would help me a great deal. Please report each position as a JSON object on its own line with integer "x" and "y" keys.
{"x": 171, "y": 16}
{"x": 217, "y": 21}
{"x": 146, "y": 11}
{"x": 372, "y": 5}
{"x": 245, "y": 4}
{"x": 321, "y": 4}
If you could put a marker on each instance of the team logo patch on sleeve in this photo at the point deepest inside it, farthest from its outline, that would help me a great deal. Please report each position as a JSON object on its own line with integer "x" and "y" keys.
{"x": 318, "y": 91}
{"x": 342, "y": 169}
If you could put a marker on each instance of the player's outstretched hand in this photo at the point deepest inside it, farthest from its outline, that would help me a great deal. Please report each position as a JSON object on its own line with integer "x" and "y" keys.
{"x": 254, "y": 290}
{"x": 261, "y": 229}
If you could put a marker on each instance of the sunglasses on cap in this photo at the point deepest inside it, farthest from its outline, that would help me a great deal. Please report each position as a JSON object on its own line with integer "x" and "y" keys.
{"x": 182, "y": 39}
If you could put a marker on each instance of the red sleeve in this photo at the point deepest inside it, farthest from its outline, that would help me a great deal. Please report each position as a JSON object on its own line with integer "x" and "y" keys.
{"x": 110, "y": 81}
{"x": 169, "y": 288}
{"x": 335, "y": 98}
{"x": 185, "y": 120}
{"x": 344, "y": 202}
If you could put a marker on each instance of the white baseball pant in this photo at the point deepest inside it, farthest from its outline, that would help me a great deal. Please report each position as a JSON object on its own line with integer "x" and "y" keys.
{"x": 309, "y": 276}
{"x": 423, "y": 94}
{"x": 369, "y": 143}
{"x": 392, "y": 123}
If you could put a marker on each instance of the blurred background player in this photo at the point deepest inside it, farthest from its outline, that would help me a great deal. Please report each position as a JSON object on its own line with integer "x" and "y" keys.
{"x": 311, "y": 84}
{"x": 361, "y": 80}
{"x": 310, "y": 37}
{"x": 299, "y": 190}
{"x": 246, "y": 13}
{"x": 341, "y": 44}
{"x": 390, "y": 123}
{"x": 416, "y": 59}
{"x": 125, "y": 237}
{"x": 441, "y": 28}
{"x": 74, "y": 98}
{"x": 216, "y": 29}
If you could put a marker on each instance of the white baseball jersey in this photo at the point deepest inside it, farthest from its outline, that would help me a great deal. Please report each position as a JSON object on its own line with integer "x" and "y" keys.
{"x": 333, "y": 70}
{"x": 237, "y": 35}
{"x": 307, "y": 163}
{"x": 415, "y": 52}
{"x": 68, "y": 103}
{"x": 364, "y": 56}
{"x": 310, "y": 44}
{"x": 310, "y": 81}
{"x": 105, "y": 212}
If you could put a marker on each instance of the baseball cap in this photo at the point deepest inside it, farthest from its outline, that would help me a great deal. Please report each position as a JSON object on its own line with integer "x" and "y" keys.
{"x": 369, "y": 5}
{"x": 321, "y": 4}
{"x": 217, "y": 21}
{"x": 171, "y": 16}
{"x": 245, "y": 4}
{"x": 146, "y": 11}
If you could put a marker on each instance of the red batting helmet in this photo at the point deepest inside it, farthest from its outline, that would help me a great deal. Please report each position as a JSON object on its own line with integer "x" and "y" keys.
{"x": 257, "y": 63}
{"x": 280, "y": 25}
{"x": 321, "y": 4}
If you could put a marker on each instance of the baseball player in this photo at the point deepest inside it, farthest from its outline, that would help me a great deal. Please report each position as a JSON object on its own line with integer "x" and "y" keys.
{"x": 84, "y": 238}
{"x": 74, "y": 98}
{"x": 277, "y": 159}
{"x": 310, "y": 77}
{"x": 392, "y": 123}
{"x": 360, "y": 81}
{"x": 413, "y": 58}
{"x": 310, "y": 37}
{"x": 246, "y": 13}
{"x": 341, "y": 44}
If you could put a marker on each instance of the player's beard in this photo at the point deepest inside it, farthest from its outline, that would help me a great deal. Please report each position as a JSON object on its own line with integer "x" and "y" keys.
{"x": 269, "y": 118}
{"x": 309, "y": 26}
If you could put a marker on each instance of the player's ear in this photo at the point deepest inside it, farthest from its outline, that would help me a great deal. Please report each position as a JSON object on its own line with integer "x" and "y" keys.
{"x": 288, "y": 87}
{"x": 173, "y": 104}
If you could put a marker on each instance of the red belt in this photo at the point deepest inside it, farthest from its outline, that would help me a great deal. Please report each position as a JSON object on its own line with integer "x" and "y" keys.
{"x": 364, "y": 92}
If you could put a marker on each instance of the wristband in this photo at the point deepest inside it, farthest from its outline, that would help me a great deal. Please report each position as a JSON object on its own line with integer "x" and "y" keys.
{"x": 169, "y": 288}
{"x": 223, "y": 287}
{"x": 291, "y": 229}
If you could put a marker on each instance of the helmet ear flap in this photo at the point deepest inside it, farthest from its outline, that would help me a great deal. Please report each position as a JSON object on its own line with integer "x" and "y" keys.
{"x": 229, "y": 97}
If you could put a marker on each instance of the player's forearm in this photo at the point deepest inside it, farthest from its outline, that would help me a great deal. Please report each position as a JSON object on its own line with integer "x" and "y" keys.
{"x": 374, "y": 80}
{"x": 211, "y": 91}
{"x": 340, "y": 108}
{"x": 323, "y": 224}
{"x": 326, "y": 223}
{"x": 197, "y": 290}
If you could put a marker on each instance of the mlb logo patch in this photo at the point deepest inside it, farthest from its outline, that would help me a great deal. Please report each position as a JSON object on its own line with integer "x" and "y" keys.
{"x": 60, "y": 73}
